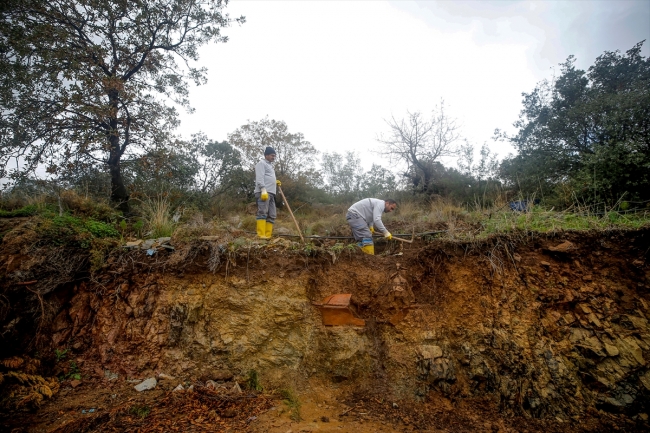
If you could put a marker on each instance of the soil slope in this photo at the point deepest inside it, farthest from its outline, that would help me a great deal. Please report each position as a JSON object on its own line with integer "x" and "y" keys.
{"x": 525, "y": 331}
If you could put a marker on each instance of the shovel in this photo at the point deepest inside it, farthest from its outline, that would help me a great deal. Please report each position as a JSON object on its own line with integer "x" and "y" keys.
{"x": 291, "y": 213}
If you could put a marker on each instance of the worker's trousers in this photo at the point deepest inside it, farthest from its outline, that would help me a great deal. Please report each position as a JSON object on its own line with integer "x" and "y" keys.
{"x": 360, "y": 229}
{"x": 266, "y": 209}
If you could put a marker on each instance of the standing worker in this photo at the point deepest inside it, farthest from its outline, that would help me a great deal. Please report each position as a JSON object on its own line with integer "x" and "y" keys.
{"x": 364, "y": 216}
{"x": 265, "y": 187}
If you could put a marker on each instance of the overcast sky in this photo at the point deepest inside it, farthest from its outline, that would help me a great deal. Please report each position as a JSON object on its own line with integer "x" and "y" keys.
{"x": 334, "y": 70}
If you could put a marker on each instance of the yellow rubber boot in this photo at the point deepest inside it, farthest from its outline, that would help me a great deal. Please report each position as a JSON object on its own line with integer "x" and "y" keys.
{"x": 261, "y": 229}
{"x": 369, "y": 249}
{"x": 269, "y": 229}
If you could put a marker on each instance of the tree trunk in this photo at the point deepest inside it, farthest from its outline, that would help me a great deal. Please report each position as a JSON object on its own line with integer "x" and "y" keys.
{"x": 119, "y": 194}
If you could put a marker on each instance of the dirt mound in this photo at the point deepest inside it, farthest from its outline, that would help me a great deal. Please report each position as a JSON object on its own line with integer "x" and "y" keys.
{"x": 551, "y": 327}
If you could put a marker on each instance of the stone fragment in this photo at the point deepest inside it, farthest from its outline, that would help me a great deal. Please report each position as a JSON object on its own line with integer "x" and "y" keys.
{"x": 564, "y": 247}
{"x": 594, "y": 320}
{"x": 569, "y": 318}
{"x": 179, "y": 388}
{"x": 236, "y": 388}
{"x": 75, "y": 383}
{"x": 631, "y": 350}
{"x": 211, "y": 384}
{"x": 638, "y": 322}
{"x": 164, "y": 376}
{"x": 593, "y": 344}
{"x": 605, "y": 382}
{"x": 147, "y": 244}
{"x": 146, "y": 384}
{"x": 611, "y": 349}
{"x": 133, "y": 244}
{"x": 578, "y": 334}
{"x": 430, "y": 352}
{"x": 545, "y": 263}
{"x": 585, "y": 308}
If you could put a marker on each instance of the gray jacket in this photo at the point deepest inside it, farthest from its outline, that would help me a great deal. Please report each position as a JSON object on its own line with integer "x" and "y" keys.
{"x": 370, "y": 209}
{"x": 264, "y": 177}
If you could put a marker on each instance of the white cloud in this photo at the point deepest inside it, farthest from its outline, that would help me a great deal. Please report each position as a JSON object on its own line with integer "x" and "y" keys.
{"x": 334, "y": 70}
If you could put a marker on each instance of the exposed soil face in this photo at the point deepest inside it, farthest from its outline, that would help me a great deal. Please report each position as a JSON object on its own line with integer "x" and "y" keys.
{"x": 518, "y": 333}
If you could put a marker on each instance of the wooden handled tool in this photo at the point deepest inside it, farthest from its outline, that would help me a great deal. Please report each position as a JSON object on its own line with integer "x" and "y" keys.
{"x": 291, "y": 213}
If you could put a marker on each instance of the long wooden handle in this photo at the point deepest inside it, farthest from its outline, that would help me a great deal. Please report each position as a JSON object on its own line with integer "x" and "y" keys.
{"x": 291, "y": 213}
{"x": 402, "y": 240}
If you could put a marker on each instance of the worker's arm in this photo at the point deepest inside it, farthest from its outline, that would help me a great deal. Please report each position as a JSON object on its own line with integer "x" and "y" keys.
{"x": 259, "y": 176}
{"x": 377, "y": 210}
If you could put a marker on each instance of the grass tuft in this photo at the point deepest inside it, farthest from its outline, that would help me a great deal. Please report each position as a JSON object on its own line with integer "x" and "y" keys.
{"x": 158, "y": 216}
{"x": 140, "y": 411}
{"x": 293, "y": 403}
{"x": 253, "y": 381}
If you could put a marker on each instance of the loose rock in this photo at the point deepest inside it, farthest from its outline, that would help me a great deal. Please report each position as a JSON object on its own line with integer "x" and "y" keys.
{"x": 146, "y": 384}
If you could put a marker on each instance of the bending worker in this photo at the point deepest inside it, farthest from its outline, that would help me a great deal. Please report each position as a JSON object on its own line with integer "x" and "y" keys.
{"x": 364, "y": 216}
{"x": 265, "y": 187}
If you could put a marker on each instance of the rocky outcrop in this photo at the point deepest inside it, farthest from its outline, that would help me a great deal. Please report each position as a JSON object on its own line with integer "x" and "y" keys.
{"x": 551, "y": 327}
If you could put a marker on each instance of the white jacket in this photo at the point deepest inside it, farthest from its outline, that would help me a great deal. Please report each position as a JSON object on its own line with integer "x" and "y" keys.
{"x": 370, "y": 209}
{"x": 264, "y": 177}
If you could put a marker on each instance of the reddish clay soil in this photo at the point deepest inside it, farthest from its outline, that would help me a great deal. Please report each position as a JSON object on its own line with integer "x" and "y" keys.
{"x": 517, "y": 333}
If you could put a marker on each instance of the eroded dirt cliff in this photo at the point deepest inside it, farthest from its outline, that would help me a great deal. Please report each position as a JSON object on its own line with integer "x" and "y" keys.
{"x": 546, "y": 328}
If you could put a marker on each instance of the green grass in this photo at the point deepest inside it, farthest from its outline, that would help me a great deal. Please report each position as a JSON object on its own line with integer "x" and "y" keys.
{"x": 253, "y": 381}
{"x": 540, "y": 220}
{"x": 140, "y": 411}
{"x": 68, "y": 229}
{"x": 24, "y": 211}
{"x": 293, "y": 403}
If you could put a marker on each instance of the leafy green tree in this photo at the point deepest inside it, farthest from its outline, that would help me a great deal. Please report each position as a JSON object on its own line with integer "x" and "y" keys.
{"x": 342, "y": 174}
{"x": 164, "y": 171}
{"x": 97, "y": 80}
{"x": 378, "y": 182}
{"x": 588, "y": 129}
{"x": 420, "y": 143}
{"x": 295, "y": 156}
{"x": 219, "y": 166}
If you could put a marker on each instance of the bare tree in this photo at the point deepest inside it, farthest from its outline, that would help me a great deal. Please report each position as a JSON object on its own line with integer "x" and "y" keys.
{"x": 420, "y": 143}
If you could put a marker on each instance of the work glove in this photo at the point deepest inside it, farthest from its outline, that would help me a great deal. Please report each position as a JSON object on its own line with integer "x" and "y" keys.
{"x": 264, "y": 196}
{"x": 388, "y": 236}
{"x": 278, "y": 183}
{"x": 372, "y": 230}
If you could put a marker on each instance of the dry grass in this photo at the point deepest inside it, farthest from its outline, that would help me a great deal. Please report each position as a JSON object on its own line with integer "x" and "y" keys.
{"x": 157, "y": 213}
